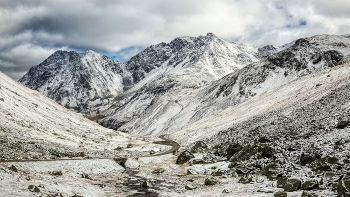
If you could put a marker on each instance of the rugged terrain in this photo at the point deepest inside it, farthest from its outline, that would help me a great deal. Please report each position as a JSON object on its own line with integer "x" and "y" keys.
{"x": 176, "y": 108}
{"x": 274, "y": 127}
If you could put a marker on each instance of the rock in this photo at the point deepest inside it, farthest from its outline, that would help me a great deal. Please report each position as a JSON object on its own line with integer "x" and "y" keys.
{"x": 152, "y": 152}
{"x": 200, "y": 146}
{"x": 280, "y": 194}
{"x": 158, "y": 171}
{"x": 129, "y": 146}
{"x": 210, "y": 181}
{"x": 197, "y": 161}
{"x": 247, "y": 178}
{"x": 184, "y": 157}
{"x": 309, "y": 184}
{"x": 306, "y": 159}
{"x": 191, "y": 171}
{"x": 242, "y": 170}
{"x": 292, "y": 185}
{"x": 131, "y": 163}
{"x": 281, "y": 181}
{"x": 244, "y": 154}
{"x": 232, "y": 149}
{"x": 217, "y": 173}
{"x": 33, "y": 188}
{"x": 190, "y": 187}
{"x": 57, "y": 173}
{"x": 342, "y": 124}
{"x": 344, "y": 187}
{"x": 264, "y": 140}
{"x": 266, "y": 151}
{"x": 147, "y": 184}
{"x": 308, "y": 194}
{"x": 13, "y": 168}
{"x": 270, "y": 171}
{"x": 225, "y": 191}
{"x": 86, "y": 176}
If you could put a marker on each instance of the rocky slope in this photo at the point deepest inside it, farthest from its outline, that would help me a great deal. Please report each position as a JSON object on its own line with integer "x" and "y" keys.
{"x": 80, "y": 81}
{"x": 33, "y": 126}
{"x": 180, "y": 107}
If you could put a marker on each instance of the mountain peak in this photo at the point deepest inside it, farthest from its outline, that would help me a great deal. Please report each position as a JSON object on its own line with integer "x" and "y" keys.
{"x": 90, "y": 52}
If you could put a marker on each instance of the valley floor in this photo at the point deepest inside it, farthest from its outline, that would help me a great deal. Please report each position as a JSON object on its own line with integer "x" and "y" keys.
{"x": 140, "y": 177}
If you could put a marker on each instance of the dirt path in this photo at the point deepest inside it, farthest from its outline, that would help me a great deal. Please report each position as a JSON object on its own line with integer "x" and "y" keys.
{"x": 167, "y": 142}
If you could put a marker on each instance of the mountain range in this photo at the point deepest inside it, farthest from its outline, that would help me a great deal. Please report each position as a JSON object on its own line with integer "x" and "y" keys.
{"x": 169, "y": 85}
{"x": 277, "y": 112}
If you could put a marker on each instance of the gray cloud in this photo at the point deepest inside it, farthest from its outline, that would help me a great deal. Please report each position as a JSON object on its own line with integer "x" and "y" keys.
{"x": 32, "y": 30}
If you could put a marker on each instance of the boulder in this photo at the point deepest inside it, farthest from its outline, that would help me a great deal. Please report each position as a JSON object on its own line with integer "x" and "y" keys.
{"x": 308, "y": 194}
{"x": 158, "y": 171}
{"x": 280, "y": 194}
{"x": 247, "y": 178}
{"x": 200, "y": 146}
{"x": 281, "y": 181}
{"x": 306, "y": 159}
{"x": 217, "y": 173}
{"x": 190, "y": 187}
{"x": 266, "y": 151}
{"x": 344, "y": 187}
{"x": 292, "y": 185}
{"x": 309, "y": 184}
{"x": 33, "y": 188}
{"x": 147, "y": 184}
{"x": 232, "y": 149}
{"x": 184, "y": 157}
{"x": 210, "y": 181}
{"x": 244, "y": 154}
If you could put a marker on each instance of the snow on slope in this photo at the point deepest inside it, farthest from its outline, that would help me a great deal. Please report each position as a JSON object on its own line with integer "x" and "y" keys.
{"x": 185, "y": 63}
{"x": 30, "y": 121}
{"x": 177, "y": 108}
{"x": 297, "y": 93}
{"x": 82, "y": 82}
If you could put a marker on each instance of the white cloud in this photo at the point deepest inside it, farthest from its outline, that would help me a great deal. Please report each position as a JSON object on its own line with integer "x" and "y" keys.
{"x": 109, "y": 26}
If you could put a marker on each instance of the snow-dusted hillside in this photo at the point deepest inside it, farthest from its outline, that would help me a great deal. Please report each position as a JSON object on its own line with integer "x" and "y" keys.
{"x": 34, "y": 126}
{"x": 81, "y": 81}
{"x": 179, "y": 107}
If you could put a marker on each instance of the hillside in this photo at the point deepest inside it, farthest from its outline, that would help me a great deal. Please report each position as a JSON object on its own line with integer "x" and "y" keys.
{"x": 179, "y": 107}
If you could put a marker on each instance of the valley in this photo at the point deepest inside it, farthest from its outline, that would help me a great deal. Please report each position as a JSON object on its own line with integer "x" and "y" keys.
{"x": 198, "y": 116}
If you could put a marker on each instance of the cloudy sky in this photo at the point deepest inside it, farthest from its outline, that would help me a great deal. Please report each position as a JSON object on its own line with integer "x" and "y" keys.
{"x": 31, "y": 30}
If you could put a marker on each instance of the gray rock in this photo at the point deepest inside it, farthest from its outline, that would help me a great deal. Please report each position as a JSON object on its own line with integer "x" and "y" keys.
{"x": 280, "y": 194}
{"x": 308, "y": 194}
{"x": 200, "y": 146}
{"x": 292, "y": 185}
{"x": 309, "y": 184}
{"x": 225, "y": 191}
{"x": 247, "y": 178}
{"x": 184, "y": 157}
{"x": 344, "y": 187}
{"x": 33, "y": 188}
{"x": 232, "y": 149}
{"x": 158, "y": 171}
{"x": 147, "y": 184}
{"x": 190, "y": 187}
{"x": 210, "y": 181}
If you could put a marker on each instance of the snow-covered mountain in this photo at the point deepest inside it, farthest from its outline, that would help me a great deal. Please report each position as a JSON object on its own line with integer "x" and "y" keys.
{"x": 174, "y": 110}
{"x": 81, "y": 81}
{"x": 91, "y": 83}
{"x": 185, "y": 64}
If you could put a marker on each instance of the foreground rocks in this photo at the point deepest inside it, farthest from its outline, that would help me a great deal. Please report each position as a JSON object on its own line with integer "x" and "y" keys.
{"x": 184, "y": 157}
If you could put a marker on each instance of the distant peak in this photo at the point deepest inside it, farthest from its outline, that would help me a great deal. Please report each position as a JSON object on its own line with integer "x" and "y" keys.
{"x": 210, "y": 34}
{"x": 89, "y": 51}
